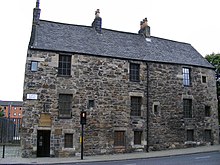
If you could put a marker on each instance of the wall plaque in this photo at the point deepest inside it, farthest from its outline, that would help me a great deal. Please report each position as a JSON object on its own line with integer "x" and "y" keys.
{"x": 45, "y": 120}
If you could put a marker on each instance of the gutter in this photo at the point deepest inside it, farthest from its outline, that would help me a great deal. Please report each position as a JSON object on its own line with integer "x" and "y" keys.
{"x": 147, "y": 122}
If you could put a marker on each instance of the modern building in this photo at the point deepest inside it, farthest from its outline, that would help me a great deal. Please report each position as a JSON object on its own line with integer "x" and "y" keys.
{"x": 10, "y": 123}
{"x": 140, "y": 92}
{"x": 12, "y": 109}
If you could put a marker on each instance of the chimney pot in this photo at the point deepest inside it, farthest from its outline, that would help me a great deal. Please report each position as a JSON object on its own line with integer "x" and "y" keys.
{"x": 97, "y": 23}
{"x": 144, "y": 28}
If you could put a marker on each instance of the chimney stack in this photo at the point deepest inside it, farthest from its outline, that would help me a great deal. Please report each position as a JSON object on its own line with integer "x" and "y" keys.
{"x": 97, "y": 23}
{"x": 144, "y": 28}
{"x": 36, "y": 18}
{"x": 36, "y": 13}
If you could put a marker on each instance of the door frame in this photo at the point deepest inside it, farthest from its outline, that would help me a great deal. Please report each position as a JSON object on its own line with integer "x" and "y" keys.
{"x": 43, "y": 143}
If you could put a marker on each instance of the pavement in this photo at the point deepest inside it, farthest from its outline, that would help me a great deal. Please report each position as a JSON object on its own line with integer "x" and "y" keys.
{"x": 113, "y": 157}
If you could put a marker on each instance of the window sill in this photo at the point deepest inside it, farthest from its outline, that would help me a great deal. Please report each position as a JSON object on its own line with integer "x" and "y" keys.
{"x": 119, "y": 147}
{"x": 66, "y": 76}
{"x": 65, "y": 117}
{"x": 133, "y": 81}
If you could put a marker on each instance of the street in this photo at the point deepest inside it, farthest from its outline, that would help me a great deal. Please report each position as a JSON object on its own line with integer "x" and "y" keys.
{"x": 211, "y": 158}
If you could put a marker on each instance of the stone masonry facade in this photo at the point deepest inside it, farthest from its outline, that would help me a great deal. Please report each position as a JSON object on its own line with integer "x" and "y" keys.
{"x": 106, "y": 81}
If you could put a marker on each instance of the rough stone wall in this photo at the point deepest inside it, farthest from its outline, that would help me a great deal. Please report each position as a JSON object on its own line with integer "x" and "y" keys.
{"x": 168, "y": 127}
{"x": 106, "y": 81}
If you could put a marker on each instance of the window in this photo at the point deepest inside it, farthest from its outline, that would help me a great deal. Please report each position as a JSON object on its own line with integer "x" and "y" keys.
{"x": 156, "y": 108}
{"x": 34, "y": 66}
{"x": 68, "y": 141}
{"x": 186, "y": 77}
{"x": 207, "y": 111}
{"x": 135, "y": 106}
{"x": 137, "y": 137}
{"x": 65, "y": 106}
{"x": 64, "y": 67}
{"x": 203, "y": 79}
{"x": 119, "y": 138}
{"x": 190, "y": 135}
{"x": 15, "y": 114}
{"x": 134, "y": 72}
{"x": 187, "y": 108}
{"x": 91, "y": 104}
{"x": 207, "y": 137}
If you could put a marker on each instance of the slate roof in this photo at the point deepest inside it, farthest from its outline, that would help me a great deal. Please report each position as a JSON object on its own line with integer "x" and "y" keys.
{"x": 13, "y": 103}
{"x": 55, "y": 36}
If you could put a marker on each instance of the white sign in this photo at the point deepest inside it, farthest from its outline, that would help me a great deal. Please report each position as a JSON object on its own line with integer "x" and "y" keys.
{"x": 32, "y": 96}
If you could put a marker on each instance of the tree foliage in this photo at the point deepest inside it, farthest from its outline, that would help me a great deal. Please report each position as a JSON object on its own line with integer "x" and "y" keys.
{"x": 214, "y": 59}
{"x": 1, "y": 111}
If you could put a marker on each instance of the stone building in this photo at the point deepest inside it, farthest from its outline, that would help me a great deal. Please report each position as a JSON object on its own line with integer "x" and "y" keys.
{"x": 140, "y": 93}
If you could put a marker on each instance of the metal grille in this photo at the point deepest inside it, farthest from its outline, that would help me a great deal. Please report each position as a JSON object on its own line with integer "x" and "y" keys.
{"x": 68, "y": 141}
{"x": 137, "y": 137}
{"x": 10, "y": 129}
{"x": 190, "y": 135}
{"x": 119, "y": 138}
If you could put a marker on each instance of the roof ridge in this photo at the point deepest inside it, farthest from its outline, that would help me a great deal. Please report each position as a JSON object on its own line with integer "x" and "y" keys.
{"x": 113, "y": 30}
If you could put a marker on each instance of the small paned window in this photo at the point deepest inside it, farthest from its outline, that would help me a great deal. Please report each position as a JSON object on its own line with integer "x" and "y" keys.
{"x": 119, "y": 138}
{"x": 207, "y": 111}
{"x": 190, "y": 135}
{"x": 65, "y": 106}
{"x": 187, "y": 108}
{"x": 135, "y": 106}
{"x": 64, "y": 67}
{"x": 137, "y": 137}
{"x": 156, "y": 108}
{"x": 203, "y": 79}
{"x": 207, "y": 135}
{"x": 68, "y": 141}
{"x": 186, "y": 77}
{"x": 134, "y": 72}
{"x": 91, "y": 104}
{"x": 34, "y": 66}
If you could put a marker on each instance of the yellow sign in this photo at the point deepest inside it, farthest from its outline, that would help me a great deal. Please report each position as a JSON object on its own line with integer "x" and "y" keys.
{"x": 45, "y": 120}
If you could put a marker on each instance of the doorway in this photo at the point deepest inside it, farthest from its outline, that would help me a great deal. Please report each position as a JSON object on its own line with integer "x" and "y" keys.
{"x": 43, "y": 143}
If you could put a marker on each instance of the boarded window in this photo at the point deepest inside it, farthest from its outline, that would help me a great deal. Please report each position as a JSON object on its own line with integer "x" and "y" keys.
{"x": 68, "y": 141}
{"x": 207, "y": 111}
{"x": 134, "y": 72}
{"x": 187, "y": 108}
{"x": 190, "y": 135}
{"x": 65, "y": 106}
{"x": 208, "y": 135}
{"x": 135, "y": 106}
{"x": 119, "y": 138}
{"x": 64, "y": 68}
{"x": 137, "y": 137}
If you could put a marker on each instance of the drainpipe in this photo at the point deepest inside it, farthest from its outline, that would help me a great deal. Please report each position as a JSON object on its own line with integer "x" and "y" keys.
{"x": 147, "y": 124}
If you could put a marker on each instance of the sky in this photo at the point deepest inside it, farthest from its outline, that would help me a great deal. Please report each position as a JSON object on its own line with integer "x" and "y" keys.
{"x": 191, "y": 21}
